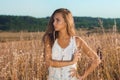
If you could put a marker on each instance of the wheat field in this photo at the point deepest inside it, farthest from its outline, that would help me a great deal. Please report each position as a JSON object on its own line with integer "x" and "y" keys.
{"x": 22, "y": 57}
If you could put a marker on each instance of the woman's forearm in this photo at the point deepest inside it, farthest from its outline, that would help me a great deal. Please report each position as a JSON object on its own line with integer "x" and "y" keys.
{"x": 94, "y": 64}
{"x": 56, "y": 63}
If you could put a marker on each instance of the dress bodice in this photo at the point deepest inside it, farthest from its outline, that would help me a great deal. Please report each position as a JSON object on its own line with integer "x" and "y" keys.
{"x": 62, "y": 54}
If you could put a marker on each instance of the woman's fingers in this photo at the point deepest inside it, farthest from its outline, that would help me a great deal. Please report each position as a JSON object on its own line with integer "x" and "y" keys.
{"x": 77, "y": 55}
{"x": 78, "y": 51}
{"x": 73, "y": 72}
{"x": 80, "y": 78}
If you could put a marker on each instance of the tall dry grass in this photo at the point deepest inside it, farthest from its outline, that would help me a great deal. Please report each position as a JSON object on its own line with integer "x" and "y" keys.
{"x": 23, "y": 60}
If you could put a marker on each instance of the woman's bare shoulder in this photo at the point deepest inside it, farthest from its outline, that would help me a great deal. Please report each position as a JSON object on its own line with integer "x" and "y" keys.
{"x": 78, "y": 39}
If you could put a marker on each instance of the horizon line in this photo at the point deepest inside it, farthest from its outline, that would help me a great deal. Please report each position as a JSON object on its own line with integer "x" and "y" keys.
{"x": 50, "y": 16}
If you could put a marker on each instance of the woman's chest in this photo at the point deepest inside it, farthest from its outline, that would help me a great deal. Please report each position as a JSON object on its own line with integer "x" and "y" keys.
{"x": 62, "y": 54}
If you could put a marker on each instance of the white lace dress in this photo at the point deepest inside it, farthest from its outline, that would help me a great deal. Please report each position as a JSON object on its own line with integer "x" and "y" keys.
{"x": 58, "y": 53}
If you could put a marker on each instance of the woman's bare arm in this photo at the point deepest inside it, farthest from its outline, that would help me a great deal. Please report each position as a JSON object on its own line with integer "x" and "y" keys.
{"x": 91, "y": 54}
{"x": 55, "y": 63}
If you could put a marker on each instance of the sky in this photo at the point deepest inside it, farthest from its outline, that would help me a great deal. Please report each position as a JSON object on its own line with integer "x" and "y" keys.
{"x": 45, "y": 8}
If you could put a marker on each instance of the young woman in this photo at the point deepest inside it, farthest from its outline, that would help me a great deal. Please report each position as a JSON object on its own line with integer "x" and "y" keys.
{"x": 62, "y": 47}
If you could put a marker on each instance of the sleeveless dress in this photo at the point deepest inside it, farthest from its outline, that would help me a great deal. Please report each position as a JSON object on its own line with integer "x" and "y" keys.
{"x": 64, "y": 54}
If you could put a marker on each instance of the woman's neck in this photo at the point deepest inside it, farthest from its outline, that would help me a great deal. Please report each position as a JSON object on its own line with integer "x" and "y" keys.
{"x": 63, "y": 34}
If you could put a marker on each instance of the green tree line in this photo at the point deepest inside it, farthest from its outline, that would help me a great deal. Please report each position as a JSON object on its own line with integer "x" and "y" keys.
{"x": 30, "y": 24}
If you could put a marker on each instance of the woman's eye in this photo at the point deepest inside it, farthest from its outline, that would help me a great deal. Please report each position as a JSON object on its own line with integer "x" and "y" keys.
{"x": 57, "y": 20}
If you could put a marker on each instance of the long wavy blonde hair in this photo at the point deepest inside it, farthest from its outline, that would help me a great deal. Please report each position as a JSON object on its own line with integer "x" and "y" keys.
{"x": 51, "y": 34}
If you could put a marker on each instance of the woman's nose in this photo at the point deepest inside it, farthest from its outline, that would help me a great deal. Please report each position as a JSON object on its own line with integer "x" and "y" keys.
{"x": 54, "y": 23}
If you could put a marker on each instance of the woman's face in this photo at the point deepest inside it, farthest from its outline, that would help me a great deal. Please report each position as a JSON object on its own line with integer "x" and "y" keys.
{"x": 59, "y": 23}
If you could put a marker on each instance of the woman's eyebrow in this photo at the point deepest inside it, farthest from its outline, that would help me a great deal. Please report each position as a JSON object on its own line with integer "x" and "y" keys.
{"x": 56, "y": 18}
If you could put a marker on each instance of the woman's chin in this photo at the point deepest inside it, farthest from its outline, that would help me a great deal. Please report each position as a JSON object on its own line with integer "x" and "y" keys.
{"x": 56, "y": 30}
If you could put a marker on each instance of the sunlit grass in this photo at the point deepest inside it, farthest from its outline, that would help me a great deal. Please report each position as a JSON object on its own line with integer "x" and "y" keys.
{"x": 23, "y": 59}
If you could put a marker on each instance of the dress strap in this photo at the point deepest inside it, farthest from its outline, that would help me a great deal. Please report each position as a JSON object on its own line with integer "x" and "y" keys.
{"x": 74, "y": 43}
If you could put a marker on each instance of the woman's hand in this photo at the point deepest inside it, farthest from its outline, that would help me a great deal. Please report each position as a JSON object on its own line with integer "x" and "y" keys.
{"x": 74, "y": 73}
{"x": 80, "y": 77}
{"x": 76, "y": 55}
